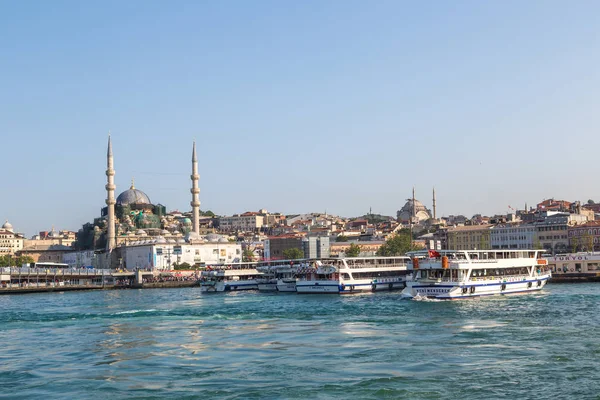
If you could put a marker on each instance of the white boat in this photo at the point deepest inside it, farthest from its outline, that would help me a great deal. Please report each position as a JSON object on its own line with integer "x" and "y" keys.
{"x": 353, "y": 275}
{"x": 225, "y": 277}
{"x": 460, "y": 274}
{"x": 212, "y": 281}
{"x": 266, "y": 281}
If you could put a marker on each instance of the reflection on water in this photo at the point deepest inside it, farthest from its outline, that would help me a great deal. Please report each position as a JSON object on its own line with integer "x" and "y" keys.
{"x": 178, "y": 343}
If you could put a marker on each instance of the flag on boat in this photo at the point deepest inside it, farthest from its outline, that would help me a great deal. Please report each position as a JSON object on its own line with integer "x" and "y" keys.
{"x": 433, "y": 254}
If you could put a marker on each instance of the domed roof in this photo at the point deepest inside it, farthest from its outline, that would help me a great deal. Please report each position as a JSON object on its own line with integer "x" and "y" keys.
{"x": 192, "y": 236}
{"x": 187, "y": 221}
{"x": 133, "y": 196}
{"x": 8, "y": 226}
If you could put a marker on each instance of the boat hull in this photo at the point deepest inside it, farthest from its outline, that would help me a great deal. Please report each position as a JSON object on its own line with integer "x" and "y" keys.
{"x": 450, "y": 291}
{"x": 214, "y": 287}
{"x": 267, "y": 287}
{"x": 241, "y": 285}
{"x": 348, "y": 287}
{"x": 286, "y": 286}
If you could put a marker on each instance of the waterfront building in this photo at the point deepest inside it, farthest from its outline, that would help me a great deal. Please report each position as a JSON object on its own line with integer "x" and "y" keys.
{"x": 513, "y": 236}
{"x": 584, "y": 237}
{"x": 10, "y": 242}
{"x": 552, "y": 231}
{"x": 80, "y": 259}
{"x": 160, "y": 254}
{"x": 470, "y": 237}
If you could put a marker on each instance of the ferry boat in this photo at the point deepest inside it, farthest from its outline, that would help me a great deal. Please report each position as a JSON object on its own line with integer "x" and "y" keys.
{"x": 575, "y": 267}
{"x": 353, "y": 275}
{"x": 460, "y": 274}
{"x": 225, "y": 277}
{"x": 266, "y": 282}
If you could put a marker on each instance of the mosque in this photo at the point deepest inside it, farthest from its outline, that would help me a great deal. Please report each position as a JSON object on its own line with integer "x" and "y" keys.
{"x": 415, "y": 212}
{"x": 133, "y": 232}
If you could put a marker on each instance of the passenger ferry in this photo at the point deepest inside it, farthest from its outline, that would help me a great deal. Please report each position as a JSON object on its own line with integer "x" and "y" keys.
{"x": 353, "y": 275}
{"x": 267, "y": 282}
{"x": 225, "y": 277}
{"x": 575, "y": 267}
{"x": 460, "y": 274}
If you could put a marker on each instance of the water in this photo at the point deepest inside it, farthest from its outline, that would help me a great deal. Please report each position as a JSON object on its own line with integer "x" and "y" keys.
{"x": 179, "y": 343}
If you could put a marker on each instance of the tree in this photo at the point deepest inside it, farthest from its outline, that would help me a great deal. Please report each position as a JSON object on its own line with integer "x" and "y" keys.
{"x": 353, "y": 250}
{"x": 341, "y": 238}
{"x": 248, "y": 255}
{"x": 397, "y": 245}
{"x": 587, "y": 242}
{"x": 207, "y": 213}
{"x": 574, "y": 244}
{"x": 293, "y": 254}
{"x": 183, "y": 266}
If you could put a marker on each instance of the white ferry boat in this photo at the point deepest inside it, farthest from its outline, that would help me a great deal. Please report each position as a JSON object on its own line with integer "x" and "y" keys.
{"x": 354, "y": 274}
{"x": 460, "y": 274}
{"x": 267, "y": 282}
{"x": 240, "y": 276}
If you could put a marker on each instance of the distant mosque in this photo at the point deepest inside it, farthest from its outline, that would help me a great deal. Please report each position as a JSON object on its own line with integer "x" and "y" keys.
{"x": 415, "y": 212}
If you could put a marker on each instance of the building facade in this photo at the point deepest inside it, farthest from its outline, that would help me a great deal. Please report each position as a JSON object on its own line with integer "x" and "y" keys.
{"x": 472, "y": 237}
{"x": 316, "y": 247}
{"x": 513, "y": 236}
{"x": 164, "y": 256}
{"x": 584, "y": 237}
{"x": 10, "y": 242}
{"x": 552, "y": 232}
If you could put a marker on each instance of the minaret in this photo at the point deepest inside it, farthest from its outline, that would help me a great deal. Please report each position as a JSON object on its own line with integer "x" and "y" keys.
{"x": 110, "y": 198}
{"x": 414, "y": 208}
{"x": 434, "y": 215}
{"x": 195, "y": 190}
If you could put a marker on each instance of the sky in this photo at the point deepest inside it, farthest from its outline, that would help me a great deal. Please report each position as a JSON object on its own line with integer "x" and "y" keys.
{"x": 311, "y": 106}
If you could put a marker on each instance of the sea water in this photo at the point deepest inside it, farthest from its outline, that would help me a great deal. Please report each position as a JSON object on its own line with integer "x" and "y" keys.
{"x": 180, "y": 343}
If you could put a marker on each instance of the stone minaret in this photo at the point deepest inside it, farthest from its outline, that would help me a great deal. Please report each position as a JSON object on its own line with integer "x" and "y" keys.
{"x": 434, "y": 215}
{"x": 414, "y": 208}
{"x": 195, "y": 203}
{"x": 110, "y": 198}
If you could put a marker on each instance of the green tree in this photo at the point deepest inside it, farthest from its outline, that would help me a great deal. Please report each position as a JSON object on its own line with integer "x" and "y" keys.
{"x": 574, "y": 244}
{"x": 587, "y": 242}
{"x": 353, "y": 250}
{"x": 341, "y": 238}
{"x": 248, "y": 255}
{"x": 182, "y": 267}
{"x": 293, "y": 254}
{"x": 207, "y": 213}
{"x": 397, "y": 245}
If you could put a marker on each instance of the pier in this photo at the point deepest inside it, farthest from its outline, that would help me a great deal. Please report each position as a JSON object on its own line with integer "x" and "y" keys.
{"x": 35, "y": 280}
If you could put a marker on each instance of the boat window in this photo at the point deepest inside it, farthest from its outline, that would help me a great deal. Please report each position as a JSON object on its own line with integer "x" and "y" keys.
{"x": 346, "y": 276}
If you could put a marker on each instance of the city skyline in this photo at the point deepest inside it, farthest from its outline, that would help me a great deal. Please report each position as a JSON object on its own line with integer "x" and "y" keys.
{"x": 293, "y": 109}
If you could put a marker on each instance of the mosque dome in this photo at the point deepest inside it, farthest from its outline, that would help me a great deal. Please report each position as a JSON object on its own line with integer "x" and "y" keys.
{"x": 187, "y": 221}
{"x": 133, "y": 196}
{"x": 141, "y": 232}
{"x": 421, "y": 213}
{"x": 7, "y": 226}
{"x": 192, "y": 236}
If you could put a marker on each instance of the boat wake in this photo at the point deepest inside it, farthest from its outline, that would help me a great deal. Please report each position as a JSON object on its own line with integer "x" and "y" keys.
{"x": 418, "y": 297}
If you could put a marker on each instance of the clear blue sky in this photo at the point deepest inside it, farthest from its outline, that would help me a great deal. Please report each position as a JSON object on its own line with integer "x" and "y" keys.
{"x": 297, "y": 106}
